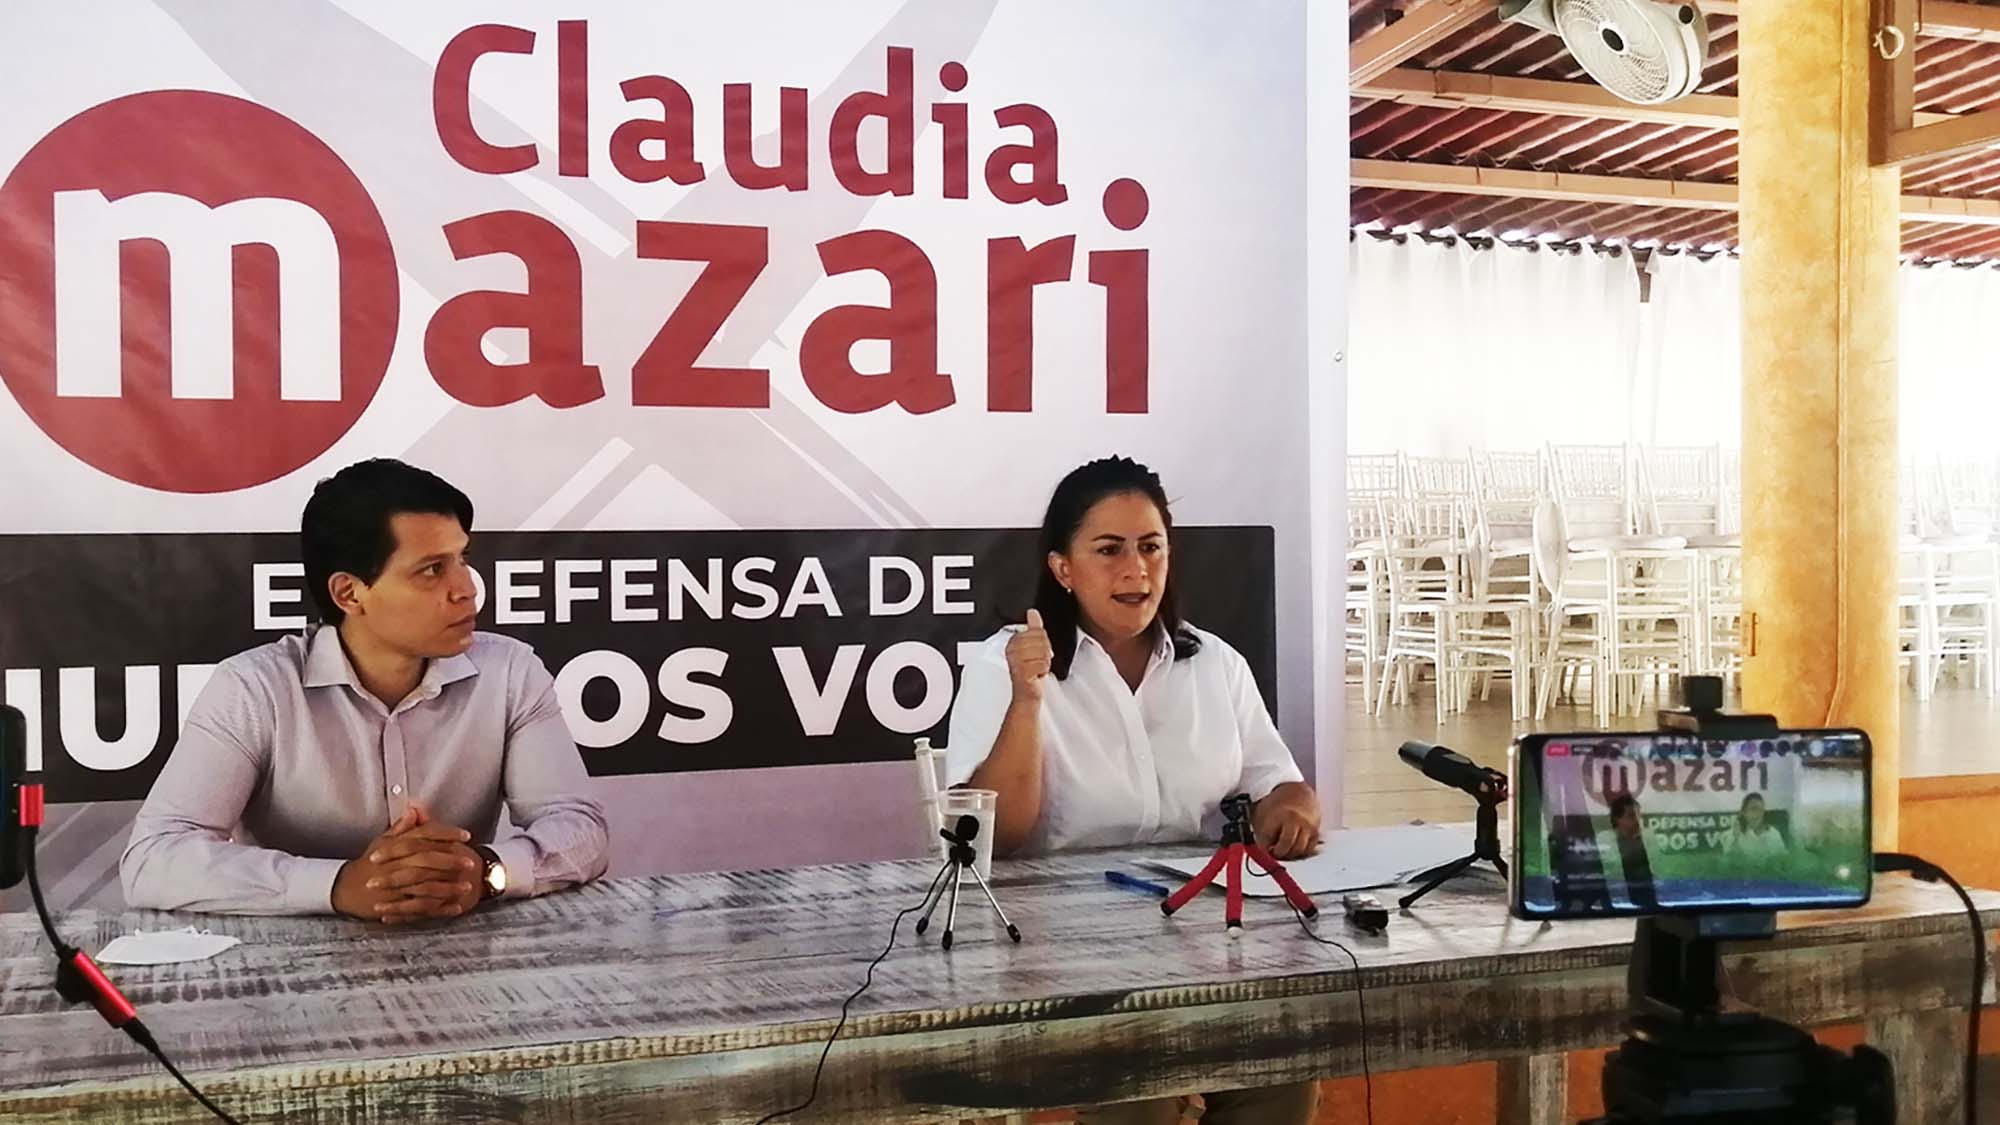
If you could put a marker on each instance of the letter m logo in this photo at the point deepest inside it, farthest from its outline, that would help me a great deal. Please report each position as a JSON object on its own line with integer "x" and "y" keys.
{"x": 200, "y": 242}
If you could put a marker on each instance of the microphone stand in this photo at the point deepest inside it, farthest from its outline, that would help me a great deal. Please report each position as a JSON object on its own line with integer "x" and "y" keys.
{"x": 960, "y": 859}
{"x": 1485, "y": 840}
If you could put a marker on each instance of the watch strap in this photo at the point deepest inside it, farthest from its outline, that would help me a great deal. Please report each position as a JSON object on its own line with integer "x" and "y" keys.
{"x": 491, "y": 860}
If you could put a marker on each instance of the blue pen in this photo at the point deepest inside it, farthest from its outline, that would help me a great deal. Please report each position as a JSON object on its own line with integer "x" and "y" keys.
{"x": 1120, "y": 879}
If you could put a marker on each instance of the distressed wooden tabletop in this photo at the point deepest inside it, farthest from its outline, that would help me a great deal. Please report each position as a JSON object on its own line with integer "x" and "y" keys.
{"x": 707, "y": 998}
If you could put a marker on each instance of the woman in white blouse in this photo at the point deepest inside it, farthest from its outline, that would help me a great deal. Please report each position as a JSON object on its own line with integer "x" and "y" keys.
{"x": 1108, "y": 721}
{"x": 1754, "y": 842}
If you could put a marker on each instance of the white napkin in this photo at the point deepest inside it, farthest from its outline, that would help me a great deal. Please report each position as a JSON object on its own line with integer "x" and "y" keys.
{"x": 165, "y": 947}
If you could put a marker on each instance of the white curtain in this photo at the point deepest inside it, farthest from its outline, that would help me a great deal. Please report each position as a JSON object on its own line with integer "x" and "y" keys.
{"x": 1509, "y": 348}
{"x": 1689, "y": 382}
{"x": 1948, "y": 368}
{"x": 1453, "y": 347}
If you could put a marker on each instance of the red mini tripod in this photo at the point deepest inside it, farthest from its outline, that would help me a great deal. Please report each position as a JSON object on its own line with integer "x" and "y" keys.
{"x": 1239, "y": 843}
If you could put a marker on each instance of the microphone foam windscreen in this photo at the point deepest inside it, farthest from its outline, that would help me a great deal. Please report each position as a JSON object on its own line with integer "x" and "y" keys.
{"x": 968, "y": 827}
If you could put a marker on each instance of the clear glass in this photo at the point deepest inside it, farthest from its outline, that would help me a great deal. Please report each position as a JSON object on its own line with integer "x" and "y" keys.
{"x": 976, "y": 803}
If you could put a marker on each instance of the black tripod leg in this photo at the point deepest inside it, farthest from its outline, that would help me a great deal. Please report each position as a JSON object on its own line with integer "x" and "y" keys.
{"x": 934, "y": 897}
{"x": 951, "y": 912}
{"x": 1437, "y": 880}
{"x": 1013, "y": 931}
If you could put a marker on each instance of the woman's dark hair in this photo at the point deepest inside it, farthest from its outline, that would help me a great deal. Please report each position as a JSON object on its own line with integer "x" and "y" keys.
{"x": 346, "y": 529}
{"x": 1074, "y": 497}
{"x": 1742, "y": 811}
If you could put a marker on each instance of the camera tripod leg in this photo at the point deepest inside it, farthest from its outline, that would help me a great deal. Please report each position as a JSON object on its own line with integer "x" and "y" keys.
{"x": 1013, "y": 931}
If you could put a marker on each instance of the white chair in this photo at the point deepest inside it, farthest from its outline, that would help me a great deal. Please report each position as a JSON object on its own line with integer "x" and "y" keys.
{"x": 1372, "y": 475}
{"x": 1620, "y": 608}
{"x": 1431, "y": 619}
{"x": 1919, "y": 502}
{"x": 1506, "y": 486}
{"x": 1506, "y": 489}
{"x": 1969, "y": 488}
{"x": 1441, "y": 477}
{"x": 1718, "y": 610}
{"x": 1732, "y": 492}
{"x": 1421, "y": 565}
{"x": 1367, "y": 605}
{"x": 1948, "y": 591}
{"x": 1595, "y": 487}
{"x": 1680, "y": 493}
{"x": 1964, "y": 597}
{"x": 1916, "y": 623}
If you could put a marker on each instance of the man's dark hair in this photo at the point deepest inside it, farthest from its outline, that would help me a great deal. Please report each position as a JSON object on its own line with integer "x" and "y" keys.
{"x": 346, "y": 523}
{"x": 1622, "y": 804}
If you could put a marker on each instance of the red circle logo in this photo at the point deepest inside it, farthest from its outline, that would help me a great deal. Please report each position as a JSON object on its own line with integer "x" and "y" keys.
{"x": 196, "y": 293}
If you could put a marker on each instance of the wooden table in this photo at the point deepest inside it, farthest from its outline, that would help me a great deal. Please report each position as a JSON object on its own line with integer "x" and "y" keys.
{"x": 707, "y": 998}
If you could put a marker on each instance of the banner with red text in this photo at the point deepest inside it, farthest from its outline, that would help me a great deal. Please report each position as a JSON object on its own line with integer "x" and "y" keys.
{"x": 757, "y": 332}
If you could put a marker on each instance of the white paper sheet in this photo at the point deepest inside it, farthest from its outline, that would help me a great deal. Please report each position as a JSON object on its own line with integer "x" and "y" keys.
{"x": 165, "y": 947}
{"x": 1352, "y": 859}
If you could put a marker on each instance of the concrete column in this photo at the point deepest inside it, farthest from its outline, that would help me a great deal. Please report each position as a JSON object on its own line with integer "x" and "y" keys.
{"x": 1820, "y": 235}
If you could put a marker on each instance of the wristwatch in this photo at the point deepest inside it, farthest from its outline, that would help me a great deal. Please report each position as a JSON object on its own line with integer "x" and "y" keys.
{"x": 493, "y": 881}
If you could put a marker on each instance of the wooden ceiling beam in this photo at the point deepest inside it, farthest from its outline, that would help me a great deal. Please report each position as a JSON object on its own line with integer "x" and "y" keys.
{"x": 1407, "y": 176}
{"x": 1424, "y": 24}
{"x": 1461, "y": 90}
{"x": 1678, "y": 194}
{"x": 1457, "y": 89}
{"x": 1941, "y": 19}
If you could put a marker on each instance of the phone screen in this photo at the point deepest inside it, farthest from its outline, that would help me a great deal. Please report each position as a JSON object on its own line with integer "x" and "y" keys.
{"x": 1630, "y": 824}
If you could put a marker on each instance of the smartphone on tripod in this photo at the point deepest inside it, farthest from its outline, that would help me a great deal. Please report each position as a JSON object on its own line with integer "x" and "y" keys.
{"x": 1703, "y": 830}
{"x": 1668, "y": 822}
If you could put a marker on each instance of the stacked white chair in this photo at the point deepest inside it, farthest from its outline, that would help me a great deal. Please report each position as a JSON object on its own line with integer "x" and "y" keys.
{"x": 1434, "y": 620}
{"x": 1370, "y": 477}
{"x": 1367, "y": 609}
{"x": 1621, "y": 604}
{"x": 1681, "y": 494}
{"x": 1621, "y": 566}
{"x": 1948, "y": 573}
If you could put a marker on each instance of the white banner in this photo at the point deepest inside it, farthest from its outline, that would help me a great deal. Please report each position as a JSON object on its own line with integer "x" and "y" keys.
{"x": 659, "y": 286}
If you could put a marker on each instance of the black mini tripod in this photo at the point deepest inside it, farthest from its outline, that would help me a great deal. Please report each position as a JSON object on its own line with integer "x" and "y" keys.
{"x": 960, "y": 860}
{"x": 1485, "y": 840}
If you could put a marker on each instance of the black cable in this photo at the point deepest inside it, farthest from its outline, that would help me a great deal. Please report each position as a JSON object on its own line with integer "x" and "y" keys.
{"x": 1360, "y": 1002}
{"x": 1886, "y": 862}
{"x": 856, "y": 995}
{"x": 135, "y": 1028}
{"x": 140, "y": 1035}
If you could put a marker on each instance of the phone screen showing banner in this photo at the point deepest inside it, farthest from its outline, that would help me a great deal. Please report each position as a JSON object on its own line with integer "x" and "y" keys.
{"x": 1660, "y": 823}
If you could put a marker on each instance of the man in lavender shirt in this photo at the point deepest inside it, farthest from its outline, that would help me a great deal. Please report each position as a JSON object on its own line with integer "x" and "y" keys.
{"x": 362, "y": 769}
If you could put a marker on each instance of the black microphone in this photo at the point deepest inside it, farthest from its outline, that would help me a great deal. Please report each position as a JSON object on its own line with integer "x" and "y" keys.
{"x": 1449, "y": 767}
{"x": 968, "y": 830}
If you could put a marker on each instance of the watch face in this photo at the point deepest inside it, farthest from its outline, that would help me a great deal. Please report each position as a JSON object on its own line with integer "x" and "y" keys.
{"x": 496, "y": 878}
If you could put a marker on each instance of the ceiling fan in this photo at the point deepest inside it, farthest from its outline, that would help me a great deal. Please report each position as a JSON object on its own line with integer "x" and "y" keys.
{"x": 1645, "y": 51}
